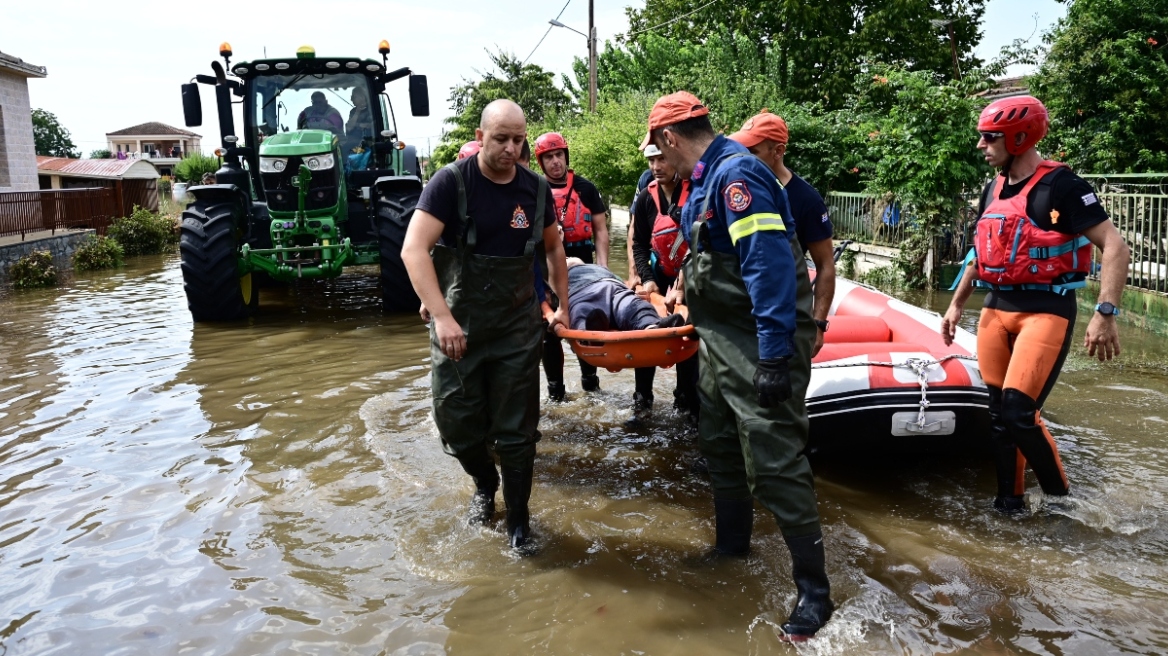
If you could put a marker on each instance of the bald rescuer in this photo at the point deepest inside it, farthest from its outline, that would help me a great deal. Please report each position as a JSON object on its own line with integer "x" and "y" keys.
{"x": 750, "y": 300}
{"x": 1038, "y": 222}
{"x": 494, "y": 218}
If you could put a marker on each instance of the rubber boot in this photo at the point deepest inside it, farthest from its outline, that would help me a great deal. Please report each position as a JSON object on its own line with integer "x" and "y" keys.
{"x": 556, "y": 391}
{"x": 590, "y": 382}
{"x": 642, "y": 410}
{"x": 733, "y": 524}
{"x": 481, "y": 468}
{"x": 1010, "y": 505}
{"x": 516, "y": 494}
{"x": 813, "y": 608}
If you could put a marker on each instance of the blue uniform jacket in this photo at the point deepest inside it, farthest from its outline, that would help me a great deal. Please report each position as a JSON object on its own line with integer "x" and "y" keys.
{"x": 748, "y": 216}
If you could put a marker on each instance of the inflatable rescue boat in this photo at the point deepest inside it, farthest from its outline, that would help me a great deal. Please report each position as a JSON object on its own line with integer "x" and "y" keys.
{"x": 885, "y": 381}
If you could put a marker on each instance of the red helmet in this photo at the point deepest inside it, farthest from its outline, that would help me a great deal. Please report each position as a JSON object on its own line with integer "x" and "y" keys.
{"x": 548, "y": 142}
{"x": 1011, "y": 116}
{"x": 469, "y": 149}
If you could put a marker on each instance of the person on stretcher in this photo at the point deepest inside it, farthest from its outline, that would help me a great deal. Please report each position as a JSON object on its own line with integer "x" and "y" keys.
{"x": 599, "y": 300}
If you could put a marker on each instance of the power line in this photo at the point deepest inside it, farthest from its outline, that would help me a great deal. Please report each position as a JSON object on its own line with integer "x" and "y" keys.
{"x": 549, "y": 31}
{"x": 672, "y": 20}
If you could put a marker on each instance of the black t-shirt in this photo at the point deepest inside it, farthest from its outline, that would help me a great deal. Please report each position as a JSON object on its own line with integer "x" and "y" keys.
{"x": 501, "y": 212}
{"x": 644, "y": 216}
{"x": 812, "y": 222}
{"x": 1078, "y": 209}
{"x": 587, "y": 191}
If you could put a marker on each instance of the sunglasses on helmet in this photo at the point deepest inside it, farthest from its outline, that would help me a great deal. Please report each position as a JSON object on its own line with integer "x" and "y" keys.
{"x": 991, "y": 137}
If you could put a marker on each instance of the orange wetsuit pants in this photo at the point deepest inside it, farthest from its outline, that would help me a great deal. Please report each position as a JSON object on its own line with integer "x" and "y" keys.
{"x": 1020, "y": 355}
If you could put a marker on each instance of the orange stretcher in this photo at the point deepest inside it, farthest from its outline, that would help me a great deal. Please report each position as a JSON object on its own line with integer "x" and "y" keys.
{"x": 616, "y": 350}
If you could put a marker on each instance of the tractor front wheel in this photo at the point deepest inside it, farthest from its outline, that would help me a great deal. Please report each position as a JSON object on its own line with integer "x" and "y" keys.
{"x": 393, "y": 217}
{"x": 209, "y": 246}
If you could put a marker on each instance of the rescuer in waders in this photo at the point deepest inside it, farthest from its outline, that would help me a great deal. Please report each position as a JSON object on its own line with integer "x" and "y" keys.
{"x": 1038, "y": 221}
{"x": 765, "y": 134}
{"x": 750, "y": 300}
{"x": 582, "y": 213}
{"x": 658, "y": 251}
{"x": 494, "y": 218}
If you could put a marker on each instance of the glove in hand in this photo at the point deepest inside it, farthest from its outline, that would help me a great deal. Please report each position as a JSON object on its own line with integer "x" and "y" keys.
{"x": 772, "y": 381}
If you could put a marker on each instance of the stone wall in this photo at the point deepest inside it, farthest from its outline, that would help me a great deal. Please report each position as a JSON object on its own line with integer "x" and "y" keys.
{"x": 18, "y": 171}
{"x": 62, "y": 246}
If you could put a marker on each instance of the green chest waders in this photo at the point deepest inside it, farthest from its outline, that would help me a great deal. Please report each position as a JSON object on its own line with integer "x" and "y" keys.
{"x": 751, "y": 450}
{"x": 491, "y": 397}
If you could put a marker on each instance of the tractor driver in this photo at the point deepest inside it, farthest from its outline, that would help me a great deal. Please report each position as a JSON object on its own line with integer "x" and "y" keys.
{"x": 360, "y": 123}
{"x": 321, "y": 116}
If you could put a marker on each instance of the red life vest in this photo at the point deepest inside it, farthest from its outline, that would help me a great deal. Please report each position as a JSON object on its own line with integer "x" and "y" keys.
{"x": 573, "y": 216}
{"x": 1014, "y": 253}
{"x": 668, "y": 242}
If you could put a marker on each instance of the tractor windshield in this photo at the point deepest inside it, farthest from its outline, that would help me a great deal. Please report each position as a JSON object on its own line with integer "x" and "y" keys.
{"x": 339, "y": 103}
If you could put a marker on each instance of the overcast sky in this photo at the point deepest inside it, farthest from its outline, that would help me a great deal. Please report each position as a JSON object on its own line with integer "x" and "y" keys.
{"x": 113, "y": 65}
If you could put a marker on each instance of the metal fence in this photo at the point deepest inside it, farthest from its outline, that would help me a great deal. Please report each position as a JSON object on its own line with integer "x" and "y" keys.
{"x": 1138, "y": 205}
{"x": 866, "y": 218}
{"x": 22, "y": 212}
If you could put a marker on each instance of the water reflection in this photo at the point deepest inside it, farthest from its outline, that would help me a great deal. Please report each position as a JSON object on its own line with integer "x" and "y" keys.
{"x": 277, "y": 487}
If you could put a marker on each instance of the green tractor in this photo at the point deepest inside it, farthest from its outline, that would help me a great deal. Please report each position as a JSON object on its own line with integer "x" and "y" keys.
{"x": 317, "y": 181}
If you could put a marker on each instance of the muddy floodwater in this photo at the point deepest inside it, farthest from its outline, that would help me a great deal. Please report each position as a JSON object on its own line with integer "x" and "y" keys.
{"x": 277, "y": 487}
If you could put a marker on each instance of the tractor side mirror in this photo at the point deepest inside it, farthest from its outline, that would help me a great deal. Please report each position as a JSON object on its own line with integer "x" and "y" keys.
{"x": 419, "y": 96}
{"x": 192, "y": 105}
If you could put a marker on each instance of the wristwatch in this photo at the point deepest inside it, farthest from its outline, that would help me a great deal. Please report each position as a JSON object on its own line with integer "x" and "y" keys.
{"x": 822, "y": 325}
{"x": 1107, "y": 309}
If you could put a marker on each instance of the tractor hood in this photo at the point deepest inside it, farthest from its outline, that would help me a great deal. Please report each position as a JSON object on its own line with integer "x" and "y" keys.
{"x": 300, "y": 142}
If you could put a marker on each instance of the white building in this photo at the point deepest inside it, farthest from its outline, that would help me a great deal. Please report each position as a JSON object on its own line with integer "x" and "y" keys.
{"x": 18, "y": 165}
{"x": 161, "y": 144}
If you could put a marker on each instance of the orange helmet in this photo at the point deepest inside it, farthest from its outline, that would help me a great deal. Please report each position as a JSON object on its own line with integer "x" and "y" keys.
{"x": 549, "y": 141}
{"x": 469, "y": 149}
{"x": 1014, "y": 115}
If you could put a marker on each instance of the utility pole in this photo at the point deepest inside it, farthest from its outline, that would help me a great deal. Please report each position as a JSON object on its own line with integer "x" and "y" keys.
{"x": 591, "y": 58}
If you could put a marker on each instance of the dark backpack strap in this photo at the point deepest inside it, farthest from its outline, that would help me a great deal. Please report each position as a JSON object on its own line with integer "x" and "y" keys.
{"x": 541, "y": 191}
{"x": 466, "y": 230}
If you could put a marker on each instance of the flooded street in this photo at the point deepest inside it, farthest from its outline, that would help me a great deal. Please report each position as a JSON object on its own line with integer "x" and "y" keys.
{"x": 278, "y": 487}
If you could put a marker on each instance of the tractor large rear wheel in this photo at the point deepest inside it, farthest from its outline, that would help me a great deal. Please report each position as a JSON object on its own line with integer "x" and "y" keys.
{"x": 209, "y": 246}
{"x": 393, "y": 217}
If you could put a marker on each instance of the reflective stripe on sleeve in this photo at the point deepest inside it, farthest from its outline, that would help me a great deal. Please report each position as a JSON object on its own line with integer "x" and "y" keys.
{"x": 748, "y": 225}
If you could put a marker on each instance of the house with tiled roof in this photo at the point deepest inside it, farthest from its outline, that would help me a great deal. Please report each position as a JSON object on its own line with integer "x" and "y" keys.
{"x": 18, "y": 171}
{"x": 161, "y": 144}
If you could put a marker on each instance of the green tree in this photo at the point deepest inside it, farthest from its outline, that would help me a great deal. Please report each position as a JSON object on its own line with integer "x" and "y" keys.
{"x": 815, "y": 50}
{"x": 921, "y": 145}
{"x": 529, "y": 85}
{"x": 1105, "y": 82}
{"x": 51, "y": 138}
{"x": 101, "y": 153}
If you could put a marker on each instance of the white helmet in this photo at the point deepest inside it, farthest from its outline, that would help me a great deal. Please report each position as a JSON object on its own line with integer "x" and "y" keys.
{"x": 652, "y": 150}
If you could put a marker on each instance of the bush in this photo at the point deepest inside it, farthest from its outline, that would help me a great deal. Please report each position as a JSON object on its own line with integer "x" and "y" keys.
{"x": 192, "y": 168}
{"x": 34, "y": 270}
{"x": 98, "y": 253}
{"x": 143, "y": 233}
{"x": 101, "y": 153}
{"x": 165, "y": 186}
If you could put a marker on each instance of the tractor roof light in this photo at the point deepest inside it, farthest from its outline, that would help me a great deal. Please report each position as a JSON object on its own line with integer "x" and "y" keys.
{"x": 306, "y": 52}
{"x": 383, "y": 47}
{"x": 400, "y": 145}
{"x": 231, "y": 139}
{"x": 225, "y": 49}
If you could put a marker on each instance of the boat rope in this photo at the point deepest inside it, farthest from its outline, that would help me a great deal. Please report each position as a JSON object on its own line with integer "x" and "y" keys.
{"x": 919, "y": 366}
